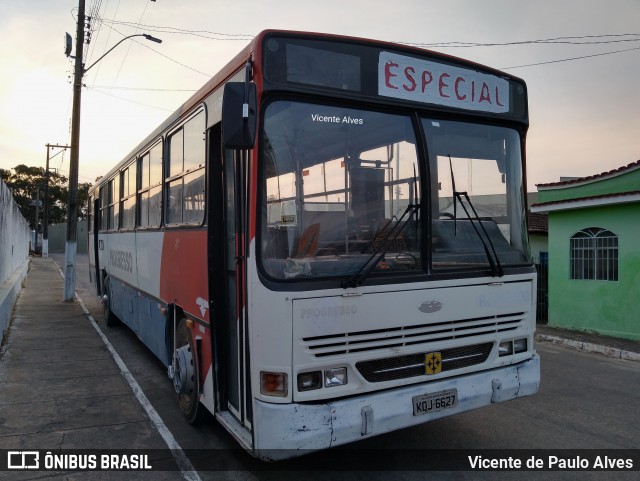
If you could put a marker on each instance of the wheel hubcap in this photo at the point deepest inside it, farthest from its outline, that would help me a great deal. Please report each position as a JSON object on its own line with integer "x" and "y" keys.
{"x": 183, "y": 376}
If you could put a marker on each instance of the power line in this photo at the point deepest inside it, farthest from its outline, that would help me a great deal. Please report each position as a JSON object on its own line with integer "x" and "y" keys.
{"x": 93, "y": 13}
{"x": 162, "y": 54}
{"x": 567, "y": 40}
{"x": 184, "y": 31}
{"x": 63, "y": 171}
{"x": 501, "y": 68}
{"x": 570, "y": 59}
{"x": 144, "y": 89}
{"x": 128, "y": 100}
{"x": 174, "y": 60}
{"x": 572, "y": 40}
{"x": 95, "y": 25}
{"x": 129, "y": 46}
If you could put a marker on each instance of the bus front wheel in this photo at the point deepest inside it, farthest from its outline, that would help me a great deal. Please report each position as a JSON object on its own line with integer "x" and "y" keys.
{"x": 186, "y": 379}
{"x": 110, "y": 318}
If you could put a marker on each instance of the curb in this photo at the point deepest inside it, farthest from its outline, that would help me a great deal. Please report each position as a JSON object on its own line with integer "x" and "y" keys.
{"x": 590, "y": 347}
{"x": 9, "y": 292}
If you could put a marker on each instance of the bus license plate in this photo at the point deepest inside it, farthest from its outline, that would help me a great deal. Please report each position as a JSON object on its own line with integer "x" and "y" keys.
{"x": 429, "y": 403}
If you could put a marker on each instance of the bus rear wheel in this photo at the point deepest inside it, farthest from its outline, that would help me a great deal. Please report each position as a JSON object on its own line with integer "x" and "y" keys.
{"x": 186, "y": 379}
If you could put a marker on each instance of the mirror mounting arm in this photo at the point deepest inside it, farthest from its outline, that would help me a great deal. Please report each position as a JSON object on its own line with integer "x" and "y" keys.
{"x": 247, "y": 81}
{"x": 239, "y": 112}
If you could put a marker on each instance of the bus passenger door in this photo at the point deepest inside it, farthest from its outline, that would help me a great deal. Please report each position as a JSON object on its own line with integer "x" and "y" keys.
{"x": 228, "y": 278}
{"x": 94, "y": 242}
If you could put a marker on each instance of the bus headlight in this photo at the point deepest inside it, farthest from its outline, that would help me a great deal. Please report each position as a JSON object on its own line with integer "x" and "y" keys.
{"x": 308, "y": 381}
{"x": 335, "y": 377}
{"x": 273, "y": 384}
{"x": 506, "y": 348}
{"x": 520, "y": 345}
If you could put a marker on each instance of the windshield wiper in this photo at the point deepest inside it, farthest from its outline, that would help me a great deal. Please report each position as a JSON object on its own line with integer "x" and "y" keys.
{"x": 356, "y": 279}
{"x": 494, "y": 261}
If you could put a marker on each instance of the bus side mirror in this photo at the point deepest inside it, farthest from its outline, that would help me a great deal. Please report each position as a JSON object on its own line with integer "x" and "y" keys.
{"x": 239, "y": 109}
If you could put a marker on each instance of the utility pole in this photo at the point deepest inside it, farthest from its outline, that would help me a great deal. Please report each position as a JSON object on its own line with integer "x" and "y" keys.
{"x": 72, "y": 216}
{"x": 45, "y": 228}
{"x": 72, "y": 212}
{"x": 37, "y": 222}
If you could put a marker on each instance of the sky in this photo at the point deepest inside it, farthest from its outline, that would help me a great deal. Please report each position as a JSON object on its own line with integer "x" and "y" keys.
{"x": 584, "y": 112}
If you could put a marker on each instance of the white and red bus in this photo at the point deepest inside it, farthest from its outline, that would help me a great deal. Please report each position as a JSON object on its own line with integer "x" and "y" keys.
{"x": 327, "y": 242}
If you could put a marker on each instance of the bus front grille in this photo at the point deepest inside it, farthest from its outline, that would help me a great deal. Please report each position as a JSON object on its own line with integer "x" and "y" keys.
{"x": 380, "y": 340}
{"x": 402, "y": 367}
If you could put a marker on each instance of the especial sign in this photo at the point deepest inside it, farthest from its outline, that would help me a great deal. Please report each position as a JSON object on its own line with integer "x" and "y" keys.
{"x": 430, "y": 82}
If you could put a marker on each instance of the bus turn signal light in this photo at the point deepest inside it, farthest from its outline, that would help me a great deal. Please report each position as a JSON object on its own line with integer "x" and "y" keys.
{"x": 273, "y": 384}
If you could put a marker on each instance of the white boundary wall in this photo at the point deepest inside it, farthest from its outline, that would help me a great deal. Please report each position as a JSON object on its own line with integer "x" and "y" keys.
{"x": 14, "y": 254}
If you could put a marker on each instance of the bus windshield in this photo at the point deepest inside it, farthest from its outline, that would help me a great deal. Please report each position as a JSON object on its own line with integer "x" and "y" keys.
{"x": 477, "y": 195}
{"x": 341, "y": 194}
{"x": 337, "y": 181}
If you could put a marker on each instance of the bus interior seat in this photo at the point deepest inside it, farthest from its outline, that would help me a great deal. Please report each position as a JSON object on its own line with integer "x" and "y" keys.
{"x": 308, "y": 243}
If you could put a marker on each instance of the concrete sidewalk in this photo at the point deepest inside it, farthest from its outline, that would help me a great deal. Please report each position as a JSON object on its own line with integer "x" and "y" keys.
{"x": 590, "y": 342}
{"x": 60, "y": 387}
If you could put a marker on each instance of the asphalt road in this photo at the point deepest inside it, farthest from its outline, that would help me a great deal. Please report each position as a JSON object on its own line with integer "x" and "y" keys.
{"x": 586, "y": 401}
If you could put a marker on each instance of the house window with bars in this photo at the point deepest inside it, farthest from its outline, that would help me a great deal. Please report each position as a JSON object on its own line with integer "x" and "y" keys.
{"x": 594, "y": 255}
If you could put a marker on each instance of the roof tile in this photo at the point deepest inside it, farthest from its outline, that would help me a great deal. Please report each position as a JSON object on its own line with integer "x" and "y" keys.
{"x": 620, "y": 170}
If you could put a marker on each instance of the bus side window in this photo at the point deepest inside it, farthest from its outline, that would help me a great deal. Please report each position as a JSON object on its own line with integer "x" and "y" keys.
{"x": 90, "y": 213}
{"x": 104, "y": 203}
{"x": 185, "y": 201}
{"x": 114, "y": 203}
{"x": 129, "y": 189}
{"x": 150, "y": 193}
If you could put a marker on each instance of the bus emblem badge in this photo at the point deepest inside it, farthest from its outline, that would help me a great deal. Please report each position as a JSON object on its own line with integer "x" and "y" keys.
{"x": 433, "y": 362}
{"x": 430, "y": 306}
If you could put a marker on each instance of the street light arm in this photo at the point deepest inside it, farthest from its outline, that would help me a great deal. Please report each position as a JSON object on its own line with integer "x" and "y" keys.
{"x": 148, "y": 37}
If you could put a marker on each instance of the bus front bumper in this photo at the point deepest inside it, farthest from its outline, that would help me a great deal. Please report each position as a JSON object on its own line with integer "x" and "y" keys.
{"x": 286, "y": 430}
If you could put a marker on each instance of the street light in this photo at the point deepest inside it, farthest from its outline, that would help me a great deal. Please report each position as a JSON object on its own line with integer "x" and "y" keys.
{"x": 147, "y": 36}
{"x": 72, "y": 209}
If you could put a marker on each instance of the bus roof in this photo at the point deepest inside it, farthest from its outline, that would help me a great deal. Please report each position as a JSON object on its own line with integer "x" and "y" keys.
{"x": 239, "y": 62}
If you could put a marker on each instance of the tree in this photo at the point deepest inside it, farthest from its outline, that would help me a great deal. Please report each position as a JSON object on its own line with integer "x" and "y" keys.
{"x": 27, "y": 184}
{"x": 83, "y": 200}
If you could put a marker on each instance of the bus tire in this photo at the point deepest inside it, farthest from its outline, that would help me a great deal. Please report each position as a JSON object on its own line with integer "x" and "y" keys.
{"x": 110, "y": 318}
{"x": 187, "y": 380}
